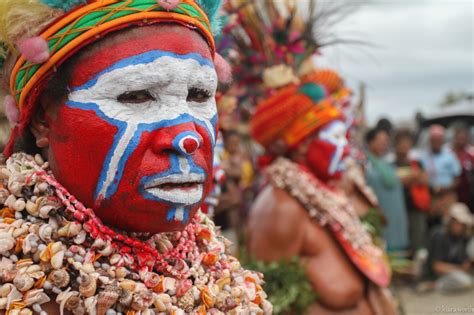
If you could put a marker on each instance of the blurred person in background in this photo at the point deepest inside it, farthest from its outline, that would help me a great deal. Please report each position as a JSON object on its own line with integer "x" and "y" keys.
{"x": 443, "y": 170}
{"x": 239, "y": 175}
{"x": 383, "y": 179}
{"x": 415, "y": 189}
{"x": 448, "y": 255}
{"x": 465, "y": 153}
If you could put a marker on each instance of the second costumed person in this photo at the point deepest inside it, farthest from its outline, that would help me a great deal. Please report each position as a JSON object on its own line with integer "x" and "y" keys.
{"x": 300, "y": 212}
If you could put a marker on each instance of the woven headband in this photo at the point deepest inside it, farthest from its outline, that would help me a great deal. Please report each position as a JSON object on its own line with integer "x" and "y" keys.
{"x": 83, "y": 25}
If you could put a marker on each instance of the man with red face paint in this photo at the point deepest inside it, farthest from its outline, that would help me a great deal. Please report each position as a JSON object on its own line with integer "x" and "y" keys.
{"x": 300, "y": 212}
{"x": 116, "y": 102}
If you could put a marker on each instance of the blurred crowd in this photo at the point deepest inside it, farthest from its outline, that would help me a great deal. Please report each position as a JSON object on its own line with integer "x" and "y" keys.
{"x": 425, "y": 194}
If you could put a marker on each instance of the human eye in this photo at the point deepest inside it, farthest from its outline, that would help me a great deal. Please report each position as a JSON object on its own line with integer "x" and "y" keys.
{"x": 198, "y": 95}
{"x": 135, "y": 97}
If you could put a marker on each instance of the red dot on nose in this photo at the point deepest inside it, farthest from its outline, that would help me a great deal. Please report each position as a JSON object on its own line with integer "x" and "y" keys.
{"x": 190, "y": 145}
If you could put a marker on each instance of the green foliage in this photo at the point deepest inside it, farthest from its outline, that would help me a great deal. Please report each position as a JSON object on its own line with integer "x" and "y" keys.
{"x": 286, "y": 284}
{"x": 372, "y": 222}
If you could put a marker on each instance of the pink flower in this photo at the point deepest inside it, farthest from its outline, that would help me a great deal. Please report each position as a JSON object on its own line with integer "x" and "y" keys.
{"x": 34, "y": 49}
{"x": 169, "y": 4}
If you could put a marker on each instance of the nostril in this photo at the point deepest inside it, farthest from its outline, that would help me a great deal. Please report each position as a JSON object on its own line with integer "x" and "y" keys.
{"x": 169, "y": 151}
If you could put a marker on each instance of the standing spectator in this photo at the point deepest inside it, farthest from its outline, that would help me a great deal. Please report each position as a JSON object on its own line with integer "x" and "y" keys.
{"x": 381, "y": 176}
{"x": 465, "y": 189}
{"x": 448, "y": 258}
{"x": 416, "y": 191}
{"x": 443, "y": 170}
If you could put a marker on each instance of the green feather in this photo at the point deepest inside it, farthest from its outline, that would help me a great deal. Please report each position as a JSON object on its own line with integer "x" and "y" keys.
{"x": 211, "y": 8}
{"x": 65, "y": 5}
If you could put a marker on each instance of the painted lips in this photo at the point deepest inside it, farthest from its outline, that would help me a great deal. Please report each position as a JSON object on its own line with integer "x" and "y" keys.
{"x": 182, "y": 189}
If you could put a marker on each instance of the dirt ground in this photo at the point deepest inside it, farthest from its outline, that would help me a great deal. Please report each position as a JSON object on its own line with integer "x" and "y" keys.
{"x": 435, "y": 303}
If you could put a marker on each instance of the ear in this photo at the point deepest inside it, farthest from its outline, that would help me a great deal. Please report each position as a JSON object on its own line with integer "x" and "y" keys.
{"x": 40, "y": 127}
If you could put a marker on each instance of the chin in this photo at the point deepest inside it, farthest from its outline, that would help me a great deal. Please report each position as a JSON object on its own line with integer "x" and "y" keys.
{"x": 147, "y": 219}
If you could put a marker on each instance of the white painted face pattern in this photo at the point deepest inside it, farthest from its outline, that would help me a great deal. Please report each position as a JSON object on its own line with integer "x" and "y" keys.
{"x": 335, "y": 133}
{"x": 167, "y": 77}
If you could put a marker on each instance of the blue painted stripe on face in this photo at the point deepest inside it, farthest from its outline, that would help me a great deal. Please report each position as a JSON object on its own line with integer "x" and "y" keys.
{"x": 181, "y": 136}
{"x": 145, "y": 58}
{"x": 122, "y": 126}
{"x": 184, "y": 118}
{"x": 173, "y": 170}
{"x": 170, "y": 216}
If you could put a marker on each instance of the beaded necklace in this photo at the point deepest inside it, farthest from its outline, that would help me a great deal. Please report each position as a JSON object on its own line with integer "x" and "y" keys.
{"x": 52, "y": 245}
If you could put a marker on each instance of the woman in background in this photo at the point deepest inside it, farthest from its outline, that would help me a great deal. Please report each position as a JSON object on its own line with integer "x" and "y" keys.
{"x": 382, "y": 177}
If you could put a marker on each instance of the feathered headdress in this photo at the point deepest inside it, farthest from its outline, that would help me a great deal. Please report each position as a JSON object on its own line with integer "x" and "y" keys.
{"x": 275, "y": 41}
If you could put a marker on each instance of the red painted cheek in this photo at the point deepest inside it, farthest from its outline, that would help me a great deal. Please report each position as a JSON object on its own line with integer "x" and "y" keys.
{"x": 128, "y": 208}
{"x": 79, "y": 143}
{"x": 319, "y": 158}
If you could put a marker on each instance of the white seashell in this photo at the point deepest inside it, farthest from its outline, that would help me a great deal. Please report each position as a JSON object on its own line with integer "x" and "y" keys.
{"x": 31, "y": 208}
{"x": 39, "y": 159}
{"x": 36, "y": 296}
{"x": 87, "y": 268}
{"x": 107, "y": 250}
{"x": 10, "y": 202}
{"x": 14, "y": 187}
{"x": 114, "y": 259}
{"x": 7, "y": 242}
{"x": 6, "y": 289}
{"x": 177, "y": 311}
{"x": 169, "y": 284}
{"x": 30, "y": 241}
{"x": 267, "y": 307}
{"x": 23, "y": 282}
{"x": 63, "y": 297}
{"x": 3, "y": 303}
{"x": 19, "y": 205}
{"x": 99, "y": 243}
{"x": 42, "y": 187}
{"x": 14, "y": 296}
{"x": 80, "y": 238}
{"x": 121, "y": 273}
{"x": 254, "y": 308}
{"x": 250, "y": 291}
{"x": 4, "y": 173}
{"x": 45, "y": 232}
{"x": 20, "y": 231}
{"x": 57, "y": 260}
{"x": 70, "y": 229}
{"x": 45, "y": 210}
{"x": 90, "y": 304}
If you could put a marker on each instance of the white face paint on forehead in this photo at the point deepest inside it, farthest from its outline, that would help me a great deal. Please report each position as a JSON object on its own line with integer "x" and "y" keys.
{"x": 167, "y": 77}
{"x": 168, "y": 80}
{"x": 336, "y": 134}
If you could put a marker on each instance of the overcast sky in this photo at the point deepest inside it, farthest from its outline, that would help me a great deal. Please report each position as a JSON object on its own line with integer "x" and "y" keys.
{"x": 424, "y": 49}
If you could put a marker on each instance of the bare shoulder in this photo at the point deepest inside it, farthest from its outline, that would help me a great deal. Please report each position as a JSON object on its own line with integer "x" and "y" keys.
{"x": 273, "y": 201}
{"x": 276, "y": 225}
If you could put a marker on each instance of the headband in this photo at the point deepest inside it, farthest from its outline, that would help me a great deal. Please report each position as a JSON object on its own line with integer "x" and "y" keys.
{"x": 85, "y": 24}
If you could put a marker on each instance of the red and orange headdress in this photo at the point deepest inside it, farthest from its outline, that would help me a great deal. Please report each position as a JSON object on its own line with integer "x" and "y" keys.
{"x": 275, "y": 45}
